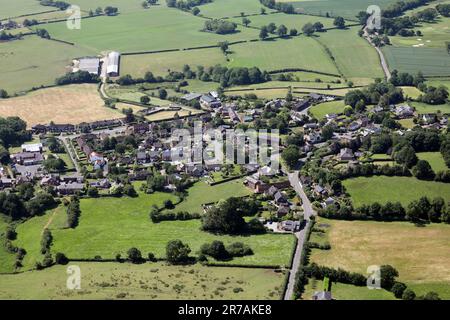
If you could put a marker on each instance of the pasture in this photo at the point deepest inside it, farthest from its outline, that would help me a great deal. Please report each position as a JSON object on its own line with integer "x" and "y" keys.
{"x": 411, "y": 92}
{"x": 144, "y": 281}
{"x": 231, "y": 8}
{"x": 10, "y": 9}
{"x": 366, "y": 190}
{"x": 321, "y": 110}
{"x": 157, "y": 28}
{"x": 66, "y": 104}
{"x": 435, "y": 160}
{"x": 430, "y": 61}
{"x": 355, "y": 245}
{"x": 33, "y": 62}
{"x": 6, "y": 259}
{"x": 430, "y": 108}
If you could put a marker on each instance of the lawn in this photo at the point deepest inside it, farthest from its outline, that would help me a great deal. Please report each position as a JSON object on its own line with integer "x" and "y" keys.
{"x": 33, "y": 62}
{"x": 321, "y": 110}
{"x": 436, "y": 82}
{"x": 430, "y": 61}
{"x": 299, "y": 52}
{"x": 366, "y": 190}
{"x": 145, "y": 281}
{"x": 113, "y": 225}
{"x": 16, "y": 8}
{"x": 411, "y": 92}
{"x": 435, "y": 159}
{"x": 355, "y": 245}
{"x": 231, "y": 8}
{"x": 341, "y": 291}
{"x": 356, "y": 59}
{"x": 428, "y": 108}
{"x": 157, "y": 28}
{"x": 407, "y": 123}
{"x": 66, "y": 104}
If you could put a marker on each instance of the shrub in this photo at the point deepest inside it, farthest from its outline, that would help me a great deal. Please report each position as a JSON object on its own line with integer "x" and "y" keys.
{"x": 60, "y": 258}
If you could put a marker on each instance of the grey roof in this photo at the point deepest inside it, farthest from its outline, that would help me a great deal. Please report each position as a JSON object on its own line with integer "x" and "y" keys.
{"x": 113, "y": 62}
{"x": 91, "y": 65}
{"x": 191, "y": 96}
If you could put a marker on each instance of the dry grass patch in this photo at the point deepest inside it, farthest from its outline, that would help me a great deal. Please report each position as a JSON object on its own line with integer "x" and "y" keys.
{"x": 68, "y": 104}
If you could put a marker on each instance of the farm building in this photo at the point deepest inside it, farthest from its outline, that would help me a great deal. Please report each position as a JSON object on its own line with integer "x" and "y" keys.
{"x": 91, "y": 65}
{"x": 112, "y": 68}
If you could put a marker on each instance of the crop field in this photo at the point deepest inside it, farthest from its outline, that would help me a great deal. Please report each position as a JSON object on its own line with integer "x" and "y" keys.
{"x": 429, "y": 108}
{"x": 161, "y": 63}
{"x": 157, "y": 28}
{"x": 231, "y": 8}
{"x": 321, "y": 110}
{"x": 296, "y": 21}
{"x": 16, "y": 8}
{"x": 33, "y": 62}
{"x": 355, "y": 245}
{"x": 364, "y": 190}
{"x": 435, "y": 160}
{"x": 67, "y": 104}
{"x": 355, "y": 58}
{"x": 430, "y": 61}
{"x": 299, "y": 52}
{"x": 144, "y": 281}
{"x": 345, "y": 8}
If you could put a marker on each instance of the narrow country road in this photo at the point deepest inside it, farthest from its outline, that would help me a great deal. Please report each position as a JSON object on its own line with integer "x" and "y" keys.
{"x": 384, "y": 64}
{"x": 308, "y": 212}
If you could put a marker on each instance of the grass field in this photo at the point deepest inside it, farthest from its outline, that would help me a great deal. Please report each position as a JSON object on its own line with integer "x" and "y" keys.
{"x": 321, "y": 110}
{"x": 261, "y": 94}
{"x": 67, "y": 104}
{"x": 407, "y": 123}
{"x": 435, "y": 159}
{"x": 16, "y": 8}
{"x": 231, "y": 8}
{"x": 428, "y": 108}
{"x": 364, "y": 190}
{"x": 436, "y": 82}
{"x": 356, "y": 59}
{"x": 430, "y": 61}
{"x": 341, "y": 291}
{"x": 113, "y": 225}
{"x": 33, "y": 62}
{"x": 300, "y": 52}
{"x": 145, "y": 281}
{"x": 411, "y": 92}
{"x": 158, "y": 28}
{"x": 355, "y": 245}
{"x": 6, "y": 259}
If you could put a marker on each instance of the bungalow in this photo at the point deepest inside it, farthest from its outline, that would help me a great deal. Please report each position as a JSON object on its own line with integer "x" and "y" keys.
{"x": 282, "y": 211}
{"x": 70, "y": 188}
{"x": 279, "y": 198}
{"x": 404, "y": 111}
{"x": 305, "y": 180}
{"x": 27, "y": 158}
{"x": 346, "y": 154}
{"x": 290, "y": 226}
{"x": 101, "y": 184}
{"x": 97, "y": 160}
{"x": 271, "y": 191}
{"x": 314, "y": 137}
{"x": 328, "y": 202}
{"x": 72, "y": 178}
{"x": 210, "y": 102}
{"x": 50, "y": 180}
{"x": 319, "y": 190}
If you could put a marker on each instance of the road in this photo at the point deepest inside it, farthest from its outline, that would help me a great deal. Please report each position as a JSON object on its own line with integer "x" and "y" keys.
{"x": 308, "y": 212}
{"x": 384, "y": 64}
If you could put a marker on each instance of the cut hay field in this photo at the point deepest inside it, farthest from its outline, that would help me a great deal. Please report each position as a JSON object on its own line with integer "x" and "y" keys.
{"x": 109, "y": 226}
{"x": 66, "y": 104}
{"x": 355, "y": 245}
{"x": 356, "y": 59}
{"x": 161, "y": 63}
{"x": 365, "y": 190}
{"x": 33, "y": 62}
{"x": 231, "y": 8}
{"x": 321, "y": 110}
{"x": 299, "y": 52}
{"x": 435, "y": 160}
{"x": 16, "y": 8}
{"x": 157, "y": 28}
{"x": 144, "y": 281}
{"x": 430, "y": 61}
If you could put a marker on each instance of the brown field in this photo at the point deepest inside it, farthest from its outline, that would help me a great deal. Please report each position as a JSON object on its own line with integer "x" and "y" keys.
{"x": 69, "y": 104}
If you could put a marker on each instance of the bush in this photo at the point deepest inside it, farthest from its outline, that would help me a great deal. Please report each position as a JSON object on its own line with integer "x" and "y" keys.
{"x": 134, "y": 255}
{"x": 177, "y": 252}
{"x": 398, "y": 289}
{"x": 151, "y": 257}
{"x": 216, "y": 249}
{"x": 408, "y": 294}
{"x": 60, "y": 258}
{"x": 238, "y": 249}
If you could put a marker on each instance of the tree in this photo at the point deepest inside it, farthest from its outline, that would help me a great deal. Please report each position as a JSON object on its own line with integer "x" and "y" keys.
{"x": 318, "y": 26}
{"x": 327, "y": 132}
{"x": 271, "y": 27}
{"x": 282, "y": 30}
{"x": 422, "y": 170}
{"x": 195, "y": 11}
{"x": 293, "y": 32}
{"x": 308, "y": 29}
{"x": 291, "y": 155}
{"x": 406, "y": 156}
{"x": 339, "y": 22}
{"x": 398, "y": 289}
{"x": 215, "y": 249}
{"x": 388, "y": 275}
{"x": 246, "y": 21}
{"x": 162, "y": 93}
{"x": 177, "y": 252}
{"x": 224, "y": 46}
{"x": 111, "y": 11}
{"x": 408, "y": 294}
{"x": 60, "y": 258}
{"x": 134, "y": 255}
{"x": 145, "y": 100}
{"x": 263, "y": 34}
{"x": 3, "y": 94}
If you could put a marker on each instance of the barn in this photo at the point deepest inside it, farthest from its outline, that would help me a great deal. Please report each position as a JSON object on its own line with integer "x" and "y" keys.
{"x": 112, "y": 68}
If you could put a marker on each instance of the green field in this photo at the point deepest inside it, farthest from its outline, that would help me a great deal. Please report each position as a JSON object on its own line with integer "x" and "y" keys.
{"x": 411, "y": 92}
{"x": 145, "y": 281}
{"x": 428, "y": 108}
{"x": 231, "y": 8}
{"x": 113, "y": 225}
{"x": 430, "y": 61}
{"x": 435, "y": 159}
{"x": 436, "y": 82}
{"x": 33, "y": 62}
{"x": 16, "y": 8}
{"x": 158, "y": 28}
{"x": 321, "y": 110}
{"x": 6, "y": 259}
{"x": 355, "y": 245}
{"x": 364, "y": 190}
{"x": 356, "y": 59}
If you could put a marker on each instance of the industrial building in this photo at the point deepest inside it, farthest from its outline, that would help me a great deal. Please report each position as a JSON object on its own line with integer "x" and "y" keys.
{"x": 112, "y": 68}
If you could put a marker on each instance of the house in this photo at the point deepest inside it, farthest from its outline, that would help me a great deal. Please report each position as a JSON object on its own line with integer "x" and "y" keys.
{"x": 101, "y": 184}
{"x": 97, "y": 160}
{"x": 355, "y": 125}
{"x": 271, "y": 191}
{"x": 319, "y": 190}
{"x": 112, "y": 67}
{"x": 314, "y": 137}
{"x": 91, "y": 65}
{"x": 322, "y": 295}
{"x": 305, "y": 180}
{"x": 72, "y": 178}
{"x": 35, "y": 147}
{"x": 6, "y": 182}
{"x": 255, "y": 184}
{"x": 328, "y": 202}
{"x": 60, "y": 128}
{"x": 282, "y": 211}
{"x": 403, "y": 111}
{"x": 50, "y": 180}
{"x": 279, "y": 198}
{"x": 142, "y": 157}
{"x": 301, "y": 105}
{"x": 290, "y": 226}
{"x": 70, "y": 188}
{"x": 28, "y": 158}
{"x": 346, "y": 154}
{"x": 194, "y": 170}
{"x": 210, "y": 102}
{"x": 429, "y": 118}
